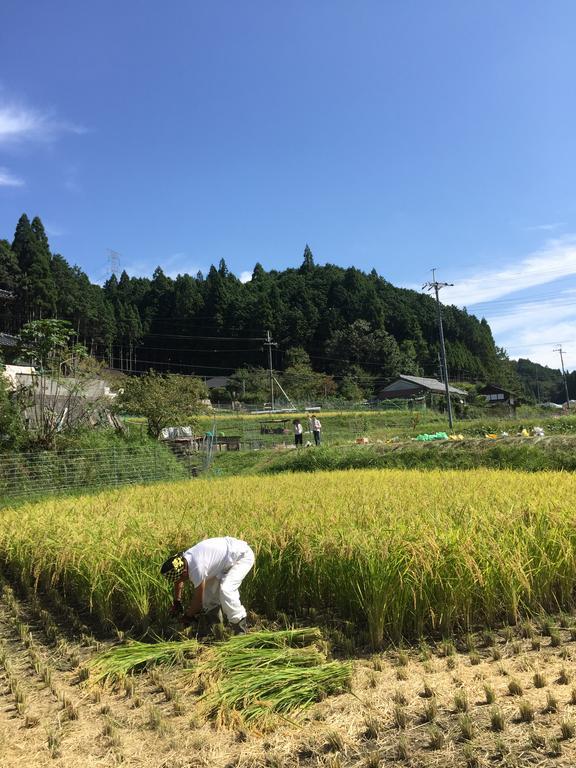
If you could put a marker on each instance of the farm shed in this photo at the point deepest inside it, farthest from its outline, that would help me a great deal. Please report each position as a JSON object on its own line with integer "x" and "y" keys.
{"x": 8, "y": 346}
{"x": 275, "y": 427}
{"x": 410, "y": 387}
{"x": 217, "y": 382}
{"x": 498, "y": 396}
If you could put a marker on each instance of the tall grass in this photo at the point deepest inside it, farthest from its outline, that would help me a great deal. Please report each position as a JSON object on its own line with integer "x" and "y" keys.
{"x": 394, "y": 553}
{"x": 88, "y": 460}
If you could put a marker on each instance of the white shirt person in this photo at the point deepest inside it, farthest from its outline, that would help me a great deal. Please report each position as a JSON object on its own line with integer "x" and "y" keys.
{"x": 216, "y": 568}
{"x": 316, "y": 427}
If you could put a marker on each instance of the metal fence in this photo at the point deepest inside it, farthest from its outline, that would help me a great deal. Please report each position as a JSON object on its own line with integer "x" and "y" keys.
{"x": 44, "y": 472}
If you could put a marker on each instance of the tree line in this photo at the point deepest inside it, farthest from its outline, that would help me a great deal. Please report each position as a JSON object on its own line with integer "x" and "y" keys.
{"x": 338, "y": 331}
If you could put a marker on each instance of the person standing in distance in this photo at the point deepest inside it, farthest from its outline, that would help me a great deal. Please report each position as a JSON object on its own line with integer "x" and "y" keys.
{"x": 316, "y": 427}
{"x": 216, "y": 568}
{"x": 298, "y": 431}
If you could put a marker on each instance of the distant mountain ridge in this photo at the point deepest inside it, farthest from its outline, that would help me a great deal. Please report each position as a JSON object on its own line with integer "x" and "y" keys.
{"x": 346, "y": 322}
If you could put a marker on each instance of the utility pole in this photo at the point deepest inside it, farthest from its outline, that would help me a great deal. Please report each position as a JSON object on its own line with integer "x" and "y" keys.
{"x": 559, "y": 349}
{"x": 436, "y": 286}
{"x": 269, "y": 343}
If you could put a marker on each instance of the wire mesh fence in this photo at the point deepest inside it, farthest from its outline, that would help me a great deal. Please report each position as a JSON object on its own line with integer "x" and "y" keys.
{"x": 46, "y": 472}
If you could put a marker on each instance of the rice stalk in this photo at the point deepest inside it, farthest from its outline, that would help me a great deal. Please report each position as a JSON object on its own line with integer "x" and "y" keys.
{"x": 276, "y": 691}
{"x": 261, "y": 674}
{"x": 276, "y": 639}
{"x": 117, "y": 662}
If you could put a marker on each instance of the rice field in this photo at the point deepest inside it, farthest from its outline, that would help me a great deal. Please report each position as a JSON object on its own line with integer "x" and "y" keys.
{"x": 381, "y": 555}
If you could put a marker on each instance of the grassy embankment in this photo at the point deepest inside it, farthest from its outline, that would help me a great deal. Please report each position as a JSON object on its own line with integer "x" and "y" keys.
{"x": 391, "y": 444}
{"x": 556, "y": 453}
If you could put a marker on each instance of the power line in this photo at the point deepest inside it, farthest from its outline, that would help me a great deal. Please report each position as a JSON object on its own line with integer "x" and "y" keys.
{"x": 541, "y": 289}
{"x": 523, "y": 274}
{"x": 175, "y": 364}
{"x": 210, "y": 338}
{"x": 188, "y": 349}
{"x": 534, "y": 299}
{"x": 536, "y": 344}
{"x": 525, "y": 306}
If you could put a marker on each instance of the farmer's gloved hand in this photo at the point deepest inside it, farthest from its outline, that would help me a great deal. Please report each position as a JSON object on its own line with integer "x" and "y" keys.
{"x": 177, "y": 608}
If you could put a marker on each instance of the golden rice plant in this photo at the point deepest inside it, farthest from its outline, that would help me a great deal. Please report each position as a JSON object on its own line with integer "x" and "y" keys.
{"x": 397, "y": 552}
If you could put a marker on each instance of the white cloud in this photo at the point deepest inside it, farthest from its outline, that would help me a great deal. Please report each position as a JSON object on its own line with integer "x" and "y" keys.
{"x": 532, "y": 328}
{"x": 53, "y": 230}
{"x": 556, "y": 260}
{"x": 245, "y": 276}
{"x": 7, "y": 179}
{"x": 547, "y": 227}
{"x": 527, "y": 320}
{"x": 533, "y": 313}
{"x": 537, "y": 333}
{"x": 19, "y": 123}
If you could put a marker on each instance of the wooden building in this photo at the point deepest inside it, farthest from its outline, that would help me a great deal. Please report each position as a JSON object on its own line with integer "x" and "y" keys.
{"x": 414, "y": 387}
{"x": 496, "y": 395}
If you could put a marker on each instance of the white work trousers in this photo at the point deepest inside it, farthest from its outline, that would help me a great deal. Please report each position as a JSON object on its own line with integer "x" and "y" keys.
{"x": 223, "y": 590}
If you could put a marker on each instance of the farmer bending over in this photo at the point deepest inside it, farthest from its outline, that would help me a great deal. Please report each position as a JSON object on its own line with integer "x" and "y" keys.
{"x": 216, "y": 568}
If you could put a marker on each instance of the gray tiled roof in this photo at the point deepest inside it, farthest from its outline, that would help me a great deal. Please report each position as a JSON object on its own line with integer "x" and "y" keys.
{"x": 432, "y": 385}
{"x": 8, "y": 341}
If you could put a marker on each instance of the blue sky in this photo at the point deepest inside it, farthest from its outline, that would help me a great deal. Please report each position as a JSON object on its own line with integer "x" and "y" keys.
{"x": 391, "y": 135}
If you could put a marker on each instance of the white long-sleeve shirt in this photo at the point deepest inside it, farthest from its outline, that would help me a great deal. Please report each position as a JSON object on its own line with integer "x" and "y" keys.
{"x": 212, "y": 558}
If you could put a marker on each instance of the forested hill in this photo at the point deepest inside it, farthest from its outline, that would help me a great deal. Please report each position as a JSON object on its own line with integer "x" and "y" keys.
{"x": 348, "y": 322}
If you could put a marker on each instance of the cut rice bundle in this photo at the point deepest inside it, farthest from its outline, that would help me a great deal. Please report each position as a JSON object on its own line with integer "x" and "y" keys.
{"x": 259, "y": 676}
{"x": 118, "y": 661}
{"x": 277, "y": 691}
{"x": 298, "y": 638}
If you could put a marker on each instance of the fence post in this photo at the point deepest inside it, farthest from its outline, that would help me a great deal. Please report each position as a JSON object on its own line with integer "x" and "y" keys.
{"x": 115, "y": 465}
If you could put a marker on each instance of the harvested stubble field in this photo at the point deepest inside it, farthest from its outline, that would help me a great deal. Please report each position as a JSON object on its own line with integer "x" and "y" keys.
{"x": 376, "y": 557}
{"x": 504, "y": 698}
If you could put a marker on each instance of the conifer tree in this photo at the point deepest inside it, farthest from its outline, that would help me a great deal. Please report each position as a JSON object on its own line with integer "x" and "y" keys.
{"x": 37, "y": 287}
